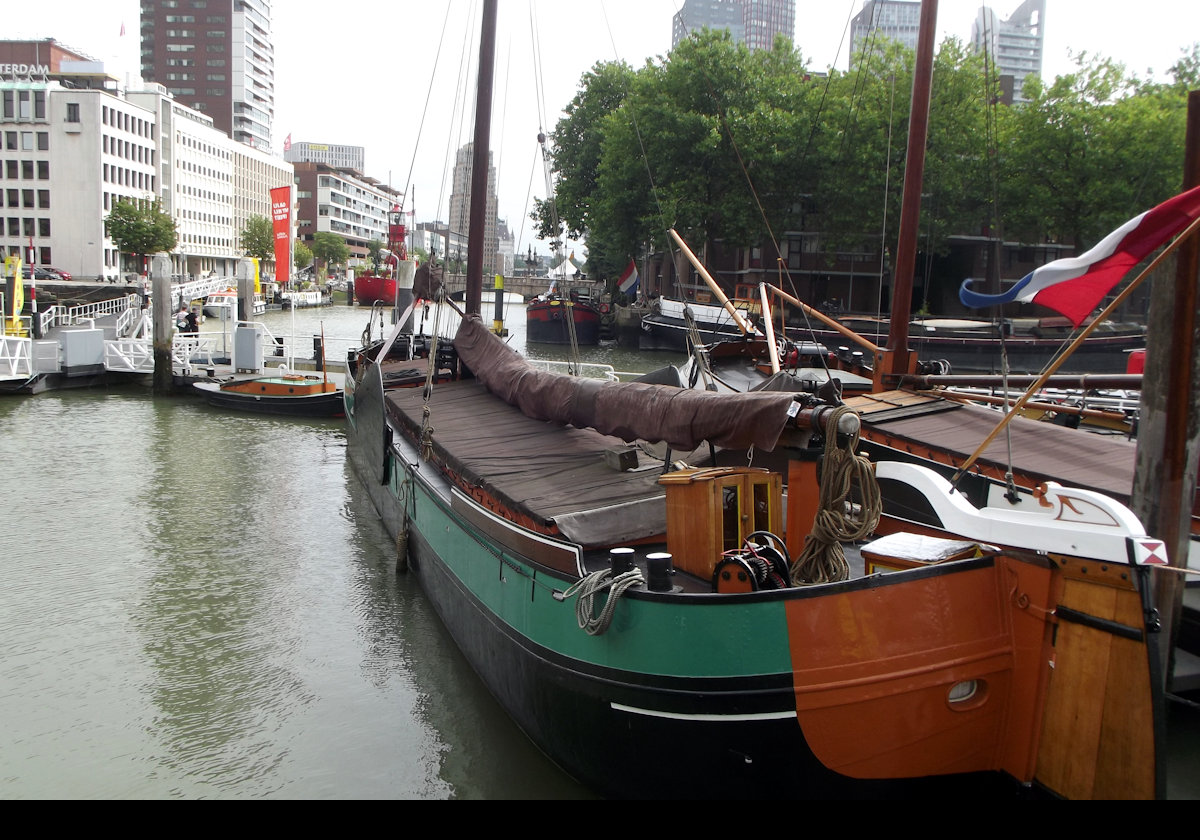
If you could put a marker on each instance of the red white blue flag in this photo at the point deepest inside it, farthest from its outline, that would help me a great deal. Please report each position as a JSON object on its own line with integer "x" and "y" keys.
{"x": 1076, "y": 285}
{"x": 629, "y": 279}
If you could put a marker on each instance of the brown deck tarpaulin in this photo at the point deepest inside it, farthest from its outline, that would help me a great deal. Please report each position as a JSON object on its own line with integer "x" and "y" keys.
{"x": 1051, "y": 453}
{"x": 681, "y": 417}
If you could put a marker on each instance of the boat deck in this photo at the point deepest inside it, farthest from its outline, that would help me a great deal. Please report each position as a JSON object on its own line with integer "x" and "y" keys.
{"x": 558, "y": 477}
{"x": 1095, "y": 462}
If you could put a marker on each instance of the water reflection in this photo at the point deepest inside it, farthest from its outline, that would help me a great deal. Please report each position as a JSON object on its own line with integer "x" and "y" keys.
{"x": 205, "y": 605}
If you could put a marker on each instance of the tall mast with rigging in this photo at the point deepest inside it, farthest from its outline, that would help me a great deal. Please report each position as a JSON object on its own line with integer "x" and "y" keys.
{"x": 897, "y": 361}
{"x": 479, "y": 159}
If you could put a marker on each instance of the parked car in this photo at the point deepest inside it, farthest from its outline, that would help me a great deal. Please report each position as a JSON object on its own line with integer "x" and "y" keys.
{"x": 40, "y": 273}
{"x": 65, "y": 275}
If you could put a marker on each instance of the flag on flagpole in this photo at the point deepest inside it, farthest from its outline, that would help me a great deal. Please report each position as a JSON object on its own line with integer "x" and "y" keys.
{"x": 287, "y": 142}
{"x": 629, "y": 280}
{"x": 122, "y": 29}
{"x": 1075, "y": 286}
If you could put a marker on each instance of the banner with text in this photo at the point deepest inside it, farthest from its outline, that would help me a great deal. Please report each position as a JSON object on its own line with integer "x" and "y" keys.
{"x": 281, "y": 223}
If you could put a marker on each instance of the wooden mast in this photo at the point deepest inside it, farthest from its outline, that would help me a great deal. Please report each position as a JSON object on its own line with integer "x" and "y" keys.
{"x": 897, "y": 359}
{"x": 1169, "y": 424}
{"x": 479, "y": 159}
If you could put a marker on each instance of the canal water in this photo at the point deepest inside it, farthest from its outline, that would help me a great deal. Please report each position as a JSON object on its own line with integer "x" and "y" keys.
{"x": 198, "y": 604}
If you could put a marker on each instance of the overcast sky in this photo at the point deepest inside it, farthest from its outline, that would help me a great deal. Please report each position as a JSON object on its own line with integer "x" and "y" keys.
{"x": 358, "y": 72}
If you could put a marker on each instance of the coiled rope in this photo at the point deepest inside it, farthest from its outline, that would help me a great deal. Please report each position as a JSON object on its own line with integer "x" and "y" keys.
{"x": 838, "y": 520}
{"x": 591, "y": 586}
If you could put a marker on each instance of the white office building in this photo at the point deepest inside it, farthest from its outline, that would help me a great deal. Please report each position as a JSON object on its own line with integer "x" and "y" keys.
{"x": 70, "y": 153}
{"x": 67, "y": 159}
{"x": 332, "y": 154}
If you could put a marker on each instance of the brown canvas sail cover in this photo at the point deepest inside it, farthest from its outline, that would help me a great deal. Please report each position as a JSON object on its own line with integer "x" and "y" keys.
{"x": 683, "y": 418}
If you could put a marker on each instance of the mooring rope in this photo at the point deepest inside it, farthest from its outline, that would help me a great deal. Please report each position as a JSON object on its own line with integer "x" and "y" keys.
{"x": 838, "y": 520}
{"x": 591, "y": 586}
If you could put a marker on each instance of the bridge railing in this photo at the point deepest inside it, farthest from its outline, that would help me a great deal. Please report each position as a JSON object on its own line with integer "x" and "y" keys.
{"x": 16, "y": 357}
{"x": 129, "y": 355}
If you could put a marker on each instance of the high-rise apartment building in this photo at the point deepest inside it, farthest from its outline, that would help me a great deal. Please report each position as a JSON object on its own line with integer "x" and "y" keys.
{"x": 460, "y": 207}
{"x": 898, "y": 20}
{"x": 217, "y": 57}
{"x": 753, "y": 22}
{"x": 1014, "y": 45}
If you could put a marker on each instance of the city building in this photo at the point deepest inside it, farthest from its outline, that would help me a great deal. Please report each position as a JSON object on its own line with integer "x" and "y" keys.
{"x": 1013, "y": 45}
{"x": 72, "y": 145}
{"x": 345, "y": 202}
{"x": 210, "y": 185}
{"x": 707, "y": 14}
{"x": 460, "y": 208}
{"x": 331, "y": 154}
{"x": 897, "y": 20}
{"x": 763, "y": 20}
{"x": 69, "y": 154}
{"x": 752, "y": 22}
{"x": 216, "y": 57}
{"x": 506, "y": 243}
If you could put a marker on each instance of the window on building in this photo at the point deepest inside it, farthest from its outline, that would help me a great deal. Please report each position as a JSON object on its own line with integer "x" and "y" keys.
{"x": 10, "y": 104}
{"x": 27, "y": 141}
{"x": 10, "y": 140}
{"x": 14, "y": 198}
{"x": 11, "y": 170}
{"x": 43, "y": 199}
{"x": 14, "y": 227}
{"x": 39, "y": 104}
{"x": 73, "y": 112}
{"x": 43, "y": 141}
{"x": 27, "y": 227}
{"x": 24, "y": 105}
{"x": 27, "y": 170}
{"x": 27, "y": 198}
{"x": 43, "y": 170}
{"x": 44, "y": 228}
{"x": 45, "y": 257}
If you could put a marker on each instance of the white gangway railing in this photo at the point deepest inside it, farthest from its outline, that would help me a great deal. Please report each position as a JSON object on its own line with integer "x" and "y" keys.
{"x": 16, "y": 357}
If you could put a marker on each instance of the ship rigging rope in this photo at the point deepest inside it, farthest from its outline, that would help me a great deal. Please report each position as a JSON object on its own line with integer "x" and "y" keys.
{"x": 591, "y": 586}
{"x": 822, "y": 559}
{"x": 427, "y": 430}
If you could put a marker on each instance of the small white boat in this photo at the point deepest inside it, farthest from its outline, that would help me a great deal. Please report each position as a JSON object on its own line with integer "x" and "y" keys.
{"x": 224, "y": 302}
{"x": 303, "y": 299}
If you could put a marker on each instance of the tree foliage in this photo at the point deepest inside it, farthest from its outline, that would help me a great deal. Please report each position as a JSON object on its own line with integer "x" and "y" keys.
{"x": 140, "y": 228}
{"x": 302, "y": 255}
{"x": 258, "y": 238}
{"x": 736, "y": 148}
{"x": 330, "y": 249}
{"x": 375, "y": 254}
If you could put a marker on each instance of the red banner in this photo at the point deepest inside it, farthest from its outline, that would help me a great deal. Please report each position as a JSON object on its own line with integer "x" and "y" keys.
{"x": 281, "y": 222}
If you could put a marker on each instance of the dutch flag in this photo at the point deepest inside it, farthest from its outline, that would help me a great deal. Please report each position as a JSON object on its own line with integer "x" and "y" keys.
{"x": 1076, "y": 285}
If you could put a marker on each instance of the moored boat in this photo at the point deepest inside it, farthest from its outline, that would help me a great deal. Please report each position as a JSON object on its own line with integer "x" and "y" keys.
{"x": 555, "y": 319}
{"x": 290, "y": 394}
{"x": 665, "y": 630}
{"x": 381, "y": 287}
{"x": 714, "y": 675}
{"x": 224, "y": 304}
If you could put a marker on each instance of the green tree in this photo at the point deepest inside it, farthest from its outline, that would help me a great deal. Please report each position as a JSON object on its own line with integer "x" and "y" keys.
{"x": 375, "y": 254}
{"x": 258, "y": 238}
{"x": 140, "y": 228}
{"x": 302, "y": 256}
{"x": 330, "y": 248}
